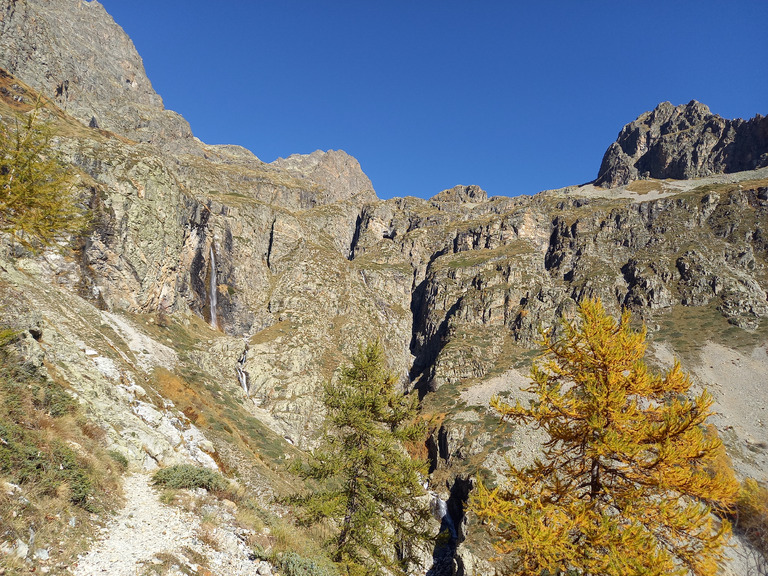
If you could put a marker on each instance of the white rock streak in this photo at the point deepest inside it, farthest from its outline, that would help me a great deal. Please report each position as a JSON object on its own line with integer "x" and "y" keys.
{"x": 213, "y": 288}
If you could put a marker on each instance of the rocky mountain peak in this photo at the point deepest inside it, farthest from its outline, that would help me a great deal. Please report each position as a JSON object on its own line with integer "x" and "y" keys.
{"x": 336, "y": 171}
{"x": 57, "y": 47}
{"x": 683, "y": 142}
{"x": 683, "y": 116}
{"x": 460, "y": 193}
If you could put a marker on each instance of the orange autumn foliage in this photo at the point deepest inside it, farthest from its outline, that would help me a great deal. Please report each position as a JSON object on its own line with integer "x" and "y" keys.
{"x": 629, "y": 478}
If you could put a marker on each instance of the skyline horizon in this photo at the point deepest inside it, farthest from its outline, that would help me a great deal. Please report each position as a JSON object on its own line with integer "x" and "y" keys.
{"x": 513, "y": 98}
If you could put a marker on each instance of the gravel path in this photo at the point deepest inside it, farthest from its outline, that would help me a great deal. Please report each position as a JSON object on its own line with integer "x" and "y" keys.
{"x": 146, "y": 528}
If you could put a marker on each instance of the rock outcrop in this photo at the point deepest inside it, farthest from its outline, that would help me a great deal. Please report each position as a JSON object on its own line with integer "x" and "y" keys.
{"x": 58, "y": 47}
{"x": 335, "y": 171}
{"x": 461, "y": 194}
{"x": 682, "y": 142}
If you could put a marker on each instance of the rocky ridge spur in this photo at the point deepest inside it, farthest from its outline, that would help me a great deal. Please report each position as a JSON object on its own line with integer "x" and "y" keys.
{"x": 683, "y": 142}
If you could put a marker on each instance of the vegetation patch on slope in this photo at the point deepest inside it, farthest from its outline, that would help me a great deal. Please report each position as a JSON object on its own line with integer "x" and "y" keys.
{"x": 688, "y": 328}
{"x": 54, "y": 468}
{"x": 190, "y": 477}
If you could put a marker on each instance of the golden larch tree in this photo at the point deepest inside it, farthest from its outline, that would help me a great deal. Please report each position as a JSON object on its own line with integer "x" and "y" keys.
{"x": 629, "y": 481}
{"x": 38, "y": 199}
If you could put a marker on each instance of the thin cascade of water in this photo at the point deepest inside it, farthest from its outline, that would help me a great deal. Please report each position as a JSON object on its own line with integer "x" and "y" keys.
{"x": 212, "y": 289}
{"x": 440, "y": 512}
{"x": 242, "y": 375}
{"x": 242, "y": 378}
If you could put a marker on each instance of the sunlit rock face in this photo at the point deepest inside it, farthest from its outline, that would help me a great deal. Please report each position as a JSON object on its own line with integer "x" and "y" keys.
{"x": 73, "y": 52}
{"x": 682, "y": 142}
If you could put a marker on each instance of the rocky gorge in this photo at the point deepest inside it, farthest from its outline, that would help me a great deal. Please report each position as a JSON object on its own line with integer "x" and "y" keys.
{"x": 214, "y": 294}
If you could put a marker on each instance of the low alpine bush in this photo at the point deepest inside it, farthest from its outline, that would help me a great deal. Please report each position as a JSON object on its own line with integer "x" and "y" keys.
{"x": 187, "y": 476}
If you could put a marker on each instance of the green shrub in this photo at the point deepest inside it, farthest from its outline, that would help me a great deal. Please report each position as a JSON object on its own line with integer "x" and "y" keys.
{"x": 187, "y": 476}
{"x": 120, "y": 459}
{"x": 291, "y": 564}
{"x": 54, "y": 400}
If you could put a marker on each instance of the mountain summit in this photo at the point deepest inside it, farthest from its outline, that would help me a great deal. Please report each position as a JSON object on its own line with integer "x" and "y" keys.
{"x": 73, "y": 52}
{"x": 682, "y": 142}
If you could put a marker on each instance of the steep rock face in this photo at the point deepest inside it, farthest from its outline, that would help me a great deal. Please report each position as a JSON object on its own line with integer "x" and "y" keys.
{"x": 253, "y": 246}
{"x": 57, "y": 46}
{"x": 488, "y": 276}
{"x": 682, "y": 142}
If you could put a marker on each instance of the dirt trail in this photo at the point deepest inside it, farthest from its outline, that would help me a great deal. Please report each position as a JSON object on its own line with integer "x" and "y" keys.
{"x": 144, "y": 528}
{"x": 147, "y": 532}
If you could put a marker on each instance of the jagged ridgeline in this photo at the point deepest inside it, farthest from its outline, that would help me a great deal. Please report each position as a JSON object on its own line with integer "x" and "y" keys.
{"x": 198, "y": 317}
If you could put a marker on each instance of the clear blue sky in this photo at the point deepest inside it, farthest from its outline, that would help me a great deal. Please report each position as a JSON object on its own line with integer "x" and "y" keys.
{"x": 516, "y": 97}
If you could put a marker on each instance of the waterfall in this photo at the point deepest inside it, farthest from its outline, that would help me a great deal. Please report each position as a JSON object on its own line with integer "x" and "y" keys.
{"x": 441, "y": 513}
{"x": 213, "y": 288}
{"x": 242, "y": 375}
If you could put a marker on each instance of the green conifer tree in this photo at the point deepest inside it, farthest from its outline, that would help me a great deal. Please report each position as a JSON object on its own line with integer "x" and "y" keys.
{"x": 370, "y": 488}
{"x": 38, "y": 200}
{"x": 630, "y": 474}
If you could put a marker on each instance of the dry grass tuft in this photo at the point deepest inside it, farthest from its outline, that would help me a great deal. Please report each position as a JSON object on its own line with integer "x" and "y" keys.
{"x": 751, "y": 521}
{"x": 54, "y": 470}
{"x": 645, "y": 186}
{"x": 209, "y": 525}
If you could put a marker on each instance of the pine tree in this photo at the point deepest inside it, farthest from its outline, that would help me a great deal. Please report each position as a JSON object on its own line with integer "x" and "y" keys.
{"x": 371, "y": 488}
{"x": 629, "y": 478}
{"x": 38, "y": 200}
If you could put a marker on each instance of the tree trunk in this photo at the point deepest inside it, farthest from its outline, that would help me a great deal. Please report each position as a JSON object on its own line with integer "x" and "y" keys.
{"x": 346, "y": 524}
